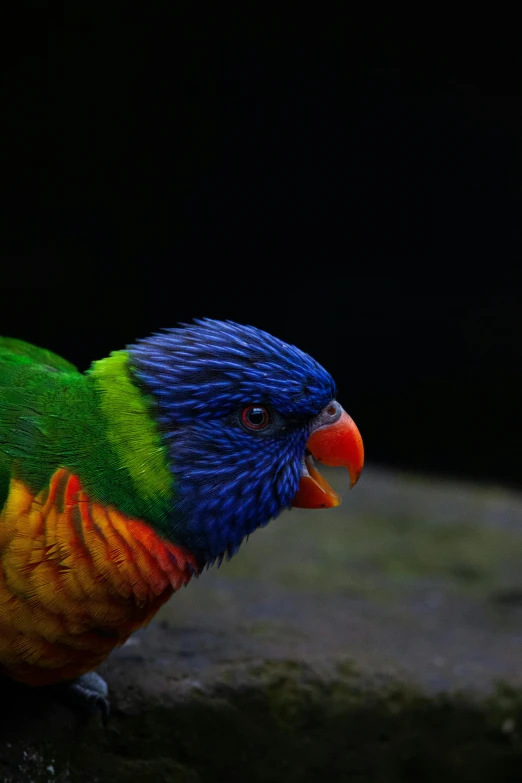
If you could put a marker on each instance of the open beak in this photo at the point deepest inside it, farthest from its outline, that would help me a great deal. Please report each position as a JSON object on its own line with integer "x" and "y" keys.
{"x": 334, "y": 441}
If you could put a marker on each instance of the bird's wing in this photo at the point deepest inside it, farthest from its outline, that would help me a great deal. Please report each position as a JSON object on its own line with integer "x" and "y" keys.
{"x": 17, "y": 351}
{"x": 27, "y": 377}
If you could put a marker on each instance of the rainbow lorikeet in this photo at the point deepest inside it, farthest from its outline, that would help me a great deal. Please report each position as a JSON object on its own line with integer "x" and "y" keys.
{"x": 119, "y": 484}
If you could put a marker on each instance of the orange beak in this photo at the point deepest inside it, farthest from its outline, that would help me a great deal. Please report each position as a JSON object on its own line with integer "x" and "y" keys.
{"x": 337, "y": 444}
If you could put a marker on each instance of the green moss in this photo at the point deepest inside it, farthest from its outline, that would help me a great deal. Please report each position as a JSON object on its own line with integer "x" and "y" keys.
{"x": 380, "y": 556}
{"x": 275, "y": 721}
{"x": 286, "y": 723}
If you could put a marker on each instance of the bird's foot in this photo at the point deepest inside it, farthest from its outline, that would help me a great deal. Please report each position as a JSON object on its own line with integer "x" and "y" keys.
{"x": 88, "y": 694}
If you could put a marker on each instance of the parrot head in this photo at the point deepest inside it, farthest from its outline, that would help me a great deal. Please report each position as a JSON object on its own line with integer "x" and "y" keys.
{"x": 244, "y": 417}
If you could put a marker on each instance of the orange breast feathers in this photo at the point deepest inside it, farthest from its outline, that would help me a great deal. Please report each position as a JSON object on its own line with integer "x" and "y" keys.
{"x": 76, "y": 579}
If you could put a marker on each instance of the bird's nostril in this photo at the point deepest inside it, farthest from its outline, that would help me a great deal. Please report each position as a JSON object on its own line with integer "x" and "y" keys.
{"x": 331, "y": 410}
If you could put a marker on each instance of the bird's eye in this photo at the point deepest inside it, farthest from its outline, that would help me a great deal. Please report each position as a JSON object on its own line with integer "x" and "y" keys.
{"x": 255, "y": 417}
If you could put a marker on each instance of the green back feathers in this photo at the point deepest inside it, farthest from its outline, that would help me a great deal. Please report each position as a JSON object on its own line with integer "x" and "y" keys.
{"x": 18, "y": 352}
{"x": 97, "y": 425}
{"x": 23, "y": 369}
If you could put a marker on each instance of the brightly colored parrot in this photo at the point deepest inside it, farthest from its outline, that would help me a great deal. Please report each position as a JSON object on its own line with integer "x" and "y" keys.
{"x": 118, "y": 485}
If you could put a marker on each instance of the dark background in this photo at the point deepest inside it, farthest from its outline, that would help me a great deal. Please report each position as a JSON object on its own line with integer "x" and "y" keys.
{"x": 357, "y": 197}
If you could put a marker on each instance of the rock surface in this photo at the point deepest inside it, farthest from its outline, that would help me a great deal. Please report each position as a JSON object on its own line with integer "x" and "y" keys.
{"x": 381, "y": 641}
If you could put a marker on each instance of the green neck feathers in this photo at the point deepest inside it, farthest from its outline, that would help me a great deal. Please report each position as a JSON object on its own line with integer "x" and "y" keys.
{"x": 137, "y": 479}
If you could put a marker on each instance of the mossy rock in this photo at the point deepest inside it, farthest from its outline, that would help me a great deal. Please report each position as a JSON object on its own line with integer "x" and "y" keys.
{"x": 283, "y": 721}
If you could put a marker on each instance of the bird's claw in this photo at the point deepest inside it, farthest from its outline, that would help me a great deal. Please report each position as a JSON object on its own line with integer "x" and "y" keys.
{"x": 89, "y": 693}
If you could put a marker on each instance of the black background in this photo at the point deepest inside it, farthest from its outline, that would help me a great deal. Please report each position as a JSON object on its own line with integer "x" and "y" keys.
{"x": 357, "y": 197}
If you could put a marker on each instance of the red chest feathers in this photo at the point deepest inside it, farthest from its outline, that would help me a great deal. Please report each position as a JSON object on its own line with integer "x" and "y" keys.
{"x": 76, "y": 579}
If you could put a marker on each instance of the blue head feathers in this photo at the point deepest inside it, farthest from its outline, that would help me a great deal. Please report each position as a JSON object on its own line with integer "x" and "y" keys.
{"x": 230, "y": 474}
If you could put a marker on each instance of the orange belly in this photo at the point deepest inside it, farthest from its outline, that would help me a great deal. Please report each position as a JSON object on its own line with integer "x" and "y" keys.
{"x": 76, "y": 579}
